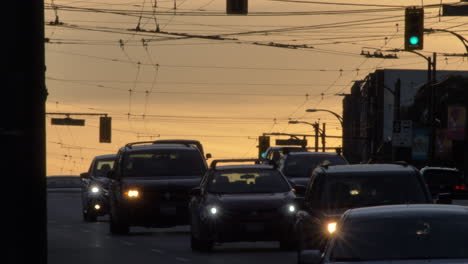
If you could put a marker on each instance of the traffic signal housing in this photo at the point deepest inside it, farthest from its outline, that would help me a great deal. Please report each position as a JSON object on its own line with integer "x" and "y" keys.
{"x": 414, "y": 28}
{"x": 105, "y": 129}
{"x": 263, "y": 144}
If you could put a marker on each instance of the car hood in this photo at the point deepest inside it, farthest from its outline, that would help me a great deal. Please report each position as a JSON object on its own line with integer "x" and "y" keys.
{"x": 299, "y": 181}
{"x": 432, "y": 261}
{"x": 263, "y": 201}
{"x": 162, "y": 183}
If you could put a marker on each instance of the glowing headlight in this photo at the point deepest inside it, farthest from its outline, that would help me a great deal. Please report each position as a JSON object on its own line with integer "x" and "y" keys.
{"x": 331, "y": 227}
{"x": 97, "y": 207}
{"x": 132, "y": 194}
{"x": 213, "y": 210}
{"x": 95, "y": 189}
{"x": 291, "y": 208}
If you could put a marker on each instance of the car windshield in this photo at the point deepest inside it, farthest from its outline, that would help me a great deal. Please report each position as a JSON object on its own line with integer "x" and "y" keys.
{"x": 248, "y": 181}
{"x": 101, "y": 167}
{"x": 402, "y": 238}
{"x": 350, "y": 191}
{"x": 303, "y": 165}
{"x": 166, "y": 162}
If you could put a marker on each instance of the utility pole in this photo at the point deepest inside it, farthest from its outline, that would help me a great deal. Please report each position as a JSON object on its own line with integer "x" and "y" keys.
{"x": 316, "y": 132}
{"x": 323, "y": 136}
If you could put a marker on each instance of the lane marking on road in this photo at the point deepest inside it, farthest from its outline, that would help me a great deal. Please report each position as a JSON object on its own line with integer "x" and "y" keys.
{"x": 85, "y": 231}
{"x": 157, "y": 251}
{"x": 182, "y": 259}
{"x": 126, "y": 243}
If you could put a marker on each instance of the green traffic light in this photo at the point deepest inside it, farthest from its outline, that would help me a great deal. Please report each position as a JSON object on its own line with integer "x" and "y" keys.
{"x": 414, "y": 40}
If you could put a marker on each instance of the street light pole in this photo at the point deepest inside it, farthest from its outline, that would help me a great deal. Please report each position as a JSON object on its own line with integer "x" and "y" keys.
{"x": 316, "y": 131}
{"x": 331, "y": 112}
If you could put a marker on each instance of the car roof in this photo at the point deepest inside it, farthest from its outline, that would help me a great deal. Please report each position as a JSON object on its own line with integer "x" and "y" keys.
{"x": 156, "y": 146}
{"x": 313, "y": 154}
{"x": 243, "y": 167}
{"x": 182, "y": 141}
{"x": 407, "y": 210}
{"x": 439, "y": 168}
{"x": 107, "y": 156}
{"x": 370, "y": 169}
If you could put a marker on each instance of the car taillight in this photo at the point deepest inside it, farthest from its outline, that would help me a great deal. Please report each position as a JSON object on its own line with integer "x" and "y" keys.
{"x": 460, "y": 187}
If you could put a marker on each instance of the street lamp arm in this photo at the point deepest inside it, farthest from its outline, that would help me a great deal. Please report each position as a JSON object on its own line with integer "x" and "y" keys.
{"x": 460, "y": 37}
{"x": 340, "y": 118}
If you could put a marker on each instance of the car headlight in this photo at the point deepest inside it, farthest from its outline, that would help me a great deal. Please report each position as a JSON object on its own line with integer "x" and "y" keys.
{"x": 213, "y": 210}
{"x": 331, "y": 227}
{"x": 95, "y": 189}
{"x": 132, "y": 193}
{"x": 291, "y": 208}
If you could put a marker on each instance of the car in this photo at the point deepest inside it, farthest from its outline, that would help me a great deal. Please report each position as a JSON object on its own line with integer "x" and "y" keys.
{"x": 298, "y": 166}
{"x": 242, "y": 203}
{"x": 151, "y": 184}
{"x": 276, "y": 153}
{"x": 63, "y": 183}
{"x": 445, "y": 180}
{"x": 95, "y": 192}
{"x": 195, "y": 143}
{"x": 334, "y": 189}
{"x": 397, "y": 234}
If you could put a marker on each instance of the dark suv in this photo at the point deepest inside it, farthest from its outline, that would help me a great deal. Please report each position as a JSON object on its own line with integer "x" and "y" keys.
{"x": 334, "y": 189}
{"x": 298, "y": 166}
{"x": 95, "y": 192}
{"x": 151, "y": 185}
{"x": 242, "y": 203}
{"x": 445, "y": 180}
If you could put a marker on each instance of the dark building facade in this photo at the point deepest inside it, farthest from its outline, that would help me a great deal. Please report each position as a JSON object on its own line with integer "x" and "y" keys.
{"x": 374, "y": 103}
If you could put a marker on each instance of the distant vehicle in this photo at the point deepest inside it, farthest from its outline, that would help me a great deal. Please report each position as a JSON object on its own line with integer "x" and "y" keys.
{"x": 151, "y": 185}
{"x": 63, "y": 183}
{"x": 397, "y": 234}
{"x": 242, "y": 203}
{"x": 95, "y": 193}
{"x": 445, "y": 180}
{"x": 334, "y": 189}
{"x": 276, "y": 153}
{"x": 298, "y": 166}
{"x": 195, "y": 143}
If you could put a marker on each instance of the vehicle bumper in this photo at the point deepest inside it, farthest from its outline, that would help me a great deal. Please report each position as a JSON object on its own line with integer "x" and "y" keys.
{"x": 98, "y": 206}
{"x": 156, "y": 215}
{"x": 222, "y": 229}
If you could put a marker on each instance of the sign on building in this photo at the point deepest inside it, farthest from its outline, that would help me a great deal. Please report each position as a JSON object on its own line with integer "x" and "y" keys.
{"x": 402, "y": 133}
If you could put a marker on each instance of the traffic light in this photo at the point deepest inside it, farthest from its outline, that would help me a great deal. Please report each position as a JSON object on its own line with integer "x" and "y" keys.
{"x": 263, "y": 144}
{"x": 237, "y": 7}
{"x": 414, "y": 28}
{"x": 105, "y": 129}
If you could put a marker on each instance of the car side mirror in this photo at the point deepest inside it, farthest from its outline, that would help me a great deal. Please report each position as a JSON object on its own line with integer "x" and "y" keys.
{"x": 84, "y": 175}
{"x": 208, "y": 156}
{"x": 111, "y": 174}
{"x": 444, "y": 198}
{"x": 195, "y": 191}
{"x": 310, "y": 257}
{"x": 300, "y": 189}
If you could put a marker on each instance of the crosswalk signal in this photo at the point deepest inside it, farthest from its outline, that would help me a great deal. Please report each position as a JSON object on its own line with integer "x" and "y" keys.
{"x": 105, "y": 129}
{"x": 414, "y": 28}
{"x": 263, "y": 144}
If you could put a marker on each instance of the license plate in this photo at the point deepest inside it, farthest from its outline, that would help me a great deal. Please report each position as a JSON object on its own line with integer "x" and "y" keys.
{"x": 254, "y": 228}
{"x": 168, "y": 210}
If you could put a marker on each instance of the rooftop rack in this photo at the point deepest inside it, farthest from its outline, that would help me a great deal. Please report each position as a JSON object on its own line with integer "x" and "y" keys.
{"x": 130, "y": 145}
{"x": 256, "y": 161}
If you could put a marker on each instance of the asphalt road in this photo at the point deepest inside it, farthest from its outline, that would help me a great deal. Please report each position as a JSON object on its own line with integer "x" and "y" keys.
{"x": 73, "y": 241}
